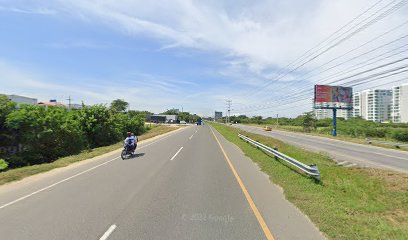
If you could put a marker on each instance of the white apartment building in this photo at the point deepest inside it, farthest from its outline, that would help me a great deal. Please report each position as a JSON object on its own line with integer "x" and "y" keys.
{"x": 328, "y": 113}
{"x": 22, "y": 100}
{"x": 356, "y": 112}
{"x": 373, "y": 105}
{"x": 399, "y": 110}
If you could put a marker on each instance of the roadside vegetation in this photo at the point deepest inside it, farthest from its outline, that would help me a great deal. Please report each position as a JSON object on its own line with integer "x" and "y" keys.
{"x": 354, "y": 128}
{"x": 349, "y": 203}
{"x": 31, "y": 135}
{"x": 182, "y": 116}
{"x": 20, "y": 173}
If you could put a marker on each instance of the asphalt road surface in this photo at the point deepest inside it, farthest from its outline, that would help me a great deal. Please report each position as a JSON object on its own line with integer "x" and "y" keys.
{"x": 179, "y": 186}
{"x": 345, "y": 153}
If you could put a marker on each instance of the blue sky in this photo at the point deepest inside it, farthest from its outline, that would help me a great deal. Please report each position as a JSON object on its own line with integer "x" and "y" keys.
{"x": 172, "y": 54}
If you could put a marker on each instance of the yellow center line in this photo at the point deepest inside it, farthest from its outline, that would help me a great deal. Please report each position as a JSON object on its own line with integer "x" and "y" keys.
{"x": 257, "y": 214}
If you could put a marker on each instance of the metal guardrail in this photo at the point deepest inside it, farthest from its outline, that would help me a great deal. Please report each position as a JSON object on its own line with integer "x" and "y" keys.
{"x": 395, "y": 144}
{"x": 312, "y": 170}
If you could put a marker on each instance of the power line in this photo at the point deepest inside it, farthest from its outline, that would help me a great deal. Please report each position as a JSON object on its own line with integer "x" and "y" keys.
{"x": 364, "y": 63}
{"x": 322, "y": 42}
{"x": 371, "y": 78}
{"x": 366, "y": 25}
{"x": 360, "y": 55}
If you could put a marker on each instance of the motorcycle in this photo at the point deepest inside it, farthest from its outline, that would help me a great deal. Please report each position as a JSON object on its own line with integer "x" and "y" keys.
{"x": 128, "y": 151}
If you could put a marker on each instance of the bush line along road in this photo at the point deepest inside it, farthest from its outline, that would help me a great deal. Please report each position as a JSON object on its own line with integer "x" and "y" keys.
{"x": 163, "y": 193}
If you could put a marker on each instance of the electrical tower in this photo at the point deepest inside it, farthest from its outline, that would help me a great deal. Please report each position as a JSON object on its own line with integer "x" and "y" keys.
{"x": 228, "y": 115}
{"x": 69, "y": 102}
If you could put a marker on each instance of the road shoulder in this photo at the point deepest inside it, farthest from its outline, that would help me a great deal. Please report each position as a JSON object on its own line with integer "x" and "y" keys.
{"x": 74, "y": 168}
{"x": 280, "y": 214}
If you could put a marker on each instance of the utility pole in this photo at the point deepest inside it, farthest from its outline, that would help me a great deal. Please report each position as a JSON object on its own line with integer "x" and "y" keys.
{"x": 69, "y": 101}
{"x": 229, "y": 102}
{"x": 277, "y": 119}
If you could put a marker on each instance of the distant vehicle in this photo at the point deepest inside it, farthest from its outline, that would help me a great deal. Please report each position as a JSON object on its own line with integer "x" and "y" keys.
{"x": 199, "y": 122}
{"x": 267, "y": 128}
{"x": 182, "y": 122}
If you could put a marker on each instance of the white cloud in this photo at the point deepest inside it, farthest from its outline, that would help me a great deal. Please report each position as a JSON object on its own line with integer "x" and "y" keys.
{"x": 256, "y": 37}
{"x": 141, "y": 90}
{"x": 38, "y": 11}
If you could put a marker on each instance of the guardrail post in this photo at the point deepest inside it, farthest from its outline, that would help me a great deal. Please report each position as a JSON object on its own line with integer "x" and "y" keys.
{"x": 276, "y": 149}
{"x": 314, "y": 166}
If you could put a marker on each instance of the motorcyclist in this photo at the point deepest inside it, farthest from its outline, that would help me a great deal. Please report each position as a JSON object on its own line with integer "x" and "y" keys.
{"x": 130, "y": 142}
{"x": 134, "y": 137}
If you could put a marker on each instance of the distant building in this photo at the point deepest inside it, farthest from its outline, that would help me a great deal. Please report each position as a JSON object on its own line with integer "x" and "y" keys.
{"x": 356, "y": 112}
{"x": 376, "y": 105}
{"x": 75, "y": 106}
{"x": 217, "y": 115}
{"x": 52, "y": 103}
{"x": 22, "y": 100}
{"x": 328, "y": 113}
{"x": 322, "y": 113}
{"x": 399, "y": 109}
{"x": 163, "y": 118}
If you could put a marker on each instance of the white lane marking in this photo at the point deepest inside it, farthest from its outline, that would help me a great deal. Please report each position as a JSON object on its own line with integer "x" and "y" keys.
{"x": 191, "y": 137}
{"x": 196, "y": 131}
{"x": 176, "y": 154}
{"x": 108, "y": 232}
{"x": 161, "y": 139}
{"x": 76, "y": 175}
{"x": 55, "y": 184}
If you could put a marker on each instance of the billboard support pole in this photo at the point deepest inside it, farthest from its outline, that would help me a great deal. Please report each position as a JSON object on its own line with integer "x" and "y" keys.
{"x": 333, "y": 94}
{"x": 334, "y": 122}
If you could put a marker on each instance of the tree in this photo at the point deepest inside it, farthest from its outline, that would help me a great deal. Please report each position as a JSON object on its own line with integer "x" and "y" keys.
{"x": 99, "y": 125}
{"x": 7, "y": 136}
{"x": 184, "y": 116}
{"x": 257, "y": 119}
{"x": 119, "y": 105}
{"x": 6, "y": 107}
{"x": 309, "y": 122}
{"x": 46, "y": 134}
{"x": 172, "y": 111}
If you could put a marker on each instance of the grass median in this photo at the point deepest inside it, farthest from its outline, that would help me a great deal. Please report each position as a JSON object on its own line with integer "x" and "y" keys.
{"x": 20, "y": 173}
{"x": 340, "y": 136}
{"x": 349, "y": 203}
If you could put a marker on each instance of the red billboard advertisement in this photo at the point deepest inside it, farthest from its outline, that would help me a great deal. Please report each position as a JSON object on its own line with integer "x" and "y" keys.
{"x": 325, "y": 93}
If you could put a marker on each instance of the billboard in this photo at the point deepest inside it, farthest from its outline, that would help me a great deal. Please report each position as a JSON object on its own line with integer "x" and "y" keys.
{"x": 326, "y": 93}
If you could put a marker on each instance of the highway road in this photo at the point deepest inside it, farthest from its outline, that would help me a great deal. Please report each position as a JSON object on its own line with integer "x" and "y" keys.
{"x": 189, "y": 184}
{"x": 345, "y": 153}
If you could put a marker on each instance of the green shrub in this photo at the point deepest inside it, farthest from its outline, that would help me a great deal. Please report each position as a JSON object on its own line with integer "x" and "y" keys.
{"x": 47, "y": 134}
{"x": 99, "y": 125}
{"x": 400, "y": 135}
{"x": 3, "y": 164}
